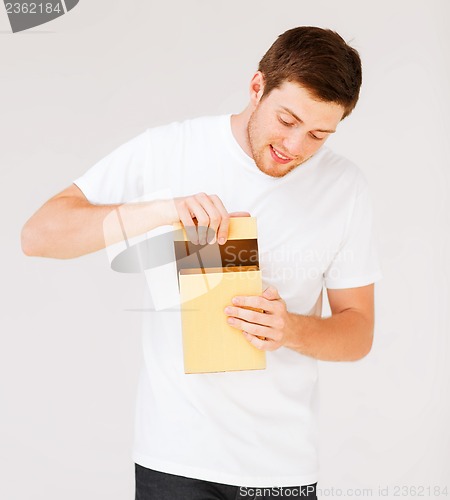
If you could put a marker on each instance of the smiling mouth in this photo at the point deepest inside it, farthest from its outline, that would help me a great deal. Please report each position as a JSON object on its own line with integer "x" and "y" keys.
{"x": 279, "y": 157}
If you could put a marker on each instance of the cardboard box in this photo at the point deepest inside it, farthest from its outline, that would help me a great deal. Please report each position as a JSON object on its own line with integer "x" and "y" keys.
{"x": 209, "y": 277}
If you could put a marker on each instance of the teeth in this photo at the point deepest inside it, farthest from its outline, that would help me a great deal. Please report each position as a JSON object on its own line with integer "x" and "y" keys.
{"x": 279, "y": 154}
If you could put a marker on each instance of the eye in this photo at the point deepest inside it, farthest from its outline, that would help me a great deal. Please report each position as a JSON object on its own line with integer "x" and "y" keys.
{"x": 285, "y": 123}
{"x": 315, "y": 137}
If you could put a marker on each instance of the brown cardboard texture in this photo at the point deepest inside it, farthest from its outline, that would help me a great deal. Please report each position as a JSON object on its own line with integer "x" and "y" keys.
{"x": 209, "y": 277}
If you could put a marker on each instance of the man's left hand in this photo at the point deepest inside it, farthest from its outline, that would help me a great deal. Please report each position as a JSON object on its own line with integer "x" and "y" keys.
{"x": 267, "y": 330}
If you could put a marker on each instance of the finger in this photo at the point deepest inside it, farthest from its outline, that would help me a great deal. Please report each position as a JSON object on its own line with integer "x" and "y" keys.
{"x": 251, "y": 316}
{"x": 186, "y": 219}
{"x": 196, "y": 208}
{"x": 253, "y": 301}
{"x": 271, "y": 293}
{"x": 254, "y": 329}
{"x": 260, "y": 343}
{"x": 214, "y": 215}
{"x": 222, "y": 231}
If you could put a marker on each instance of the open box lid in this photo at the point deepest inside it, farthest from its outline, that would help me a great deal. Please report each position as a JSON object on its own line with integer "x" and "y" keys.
{"x": 240, "y": 249}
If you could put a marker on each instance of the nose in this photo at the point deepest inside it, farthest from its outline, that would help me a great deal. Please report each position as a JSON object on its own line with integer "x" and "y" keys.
{"x": 295, "y": 143}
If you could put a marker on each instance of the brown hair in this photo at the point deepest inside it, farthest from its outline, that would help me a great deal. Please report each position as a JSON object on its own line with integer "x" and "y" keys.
{"x": 317, "y": 59}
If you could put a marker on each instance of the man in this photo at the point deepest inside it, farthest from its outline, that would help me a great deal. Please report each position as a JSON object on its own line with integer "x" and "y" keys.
{"x": 230, "y": 435}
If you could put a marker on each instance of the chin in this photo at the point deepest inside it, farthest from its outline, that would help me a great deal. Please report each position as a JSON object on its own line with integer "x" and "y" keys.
{"x": 276, "y": 170}
{"x": 274, "y": 173}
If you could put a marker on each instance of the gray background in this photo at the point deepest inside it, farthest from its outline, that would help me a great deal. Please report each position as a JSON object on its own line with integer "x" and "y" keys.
{"x": 74, "y": 89}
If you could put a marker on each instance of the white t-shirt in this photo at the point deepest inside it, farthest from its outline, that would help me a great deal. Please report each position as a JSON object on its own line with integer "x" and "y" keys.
{"x": 249, "y": 428}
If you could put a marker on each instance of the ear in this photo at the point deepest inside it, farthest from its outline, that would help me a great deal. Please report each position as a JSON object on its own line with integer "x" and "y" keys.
{"x": 256, "y": 88}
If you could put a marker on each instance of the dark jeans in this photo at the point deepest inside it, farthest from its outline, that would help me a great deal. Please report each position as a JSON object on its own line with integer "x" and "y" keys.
{"x": 154, "y": 485}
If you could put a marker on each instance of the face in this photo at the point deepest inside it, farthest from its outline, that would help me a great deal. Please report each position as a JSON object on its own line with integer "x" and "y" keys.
{"x": 288, "y": 126}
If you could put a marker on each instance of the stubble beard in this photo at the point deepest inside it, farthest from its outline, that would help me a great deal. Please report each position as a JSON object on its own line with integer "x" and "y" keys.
{"x": 258, "y": 152}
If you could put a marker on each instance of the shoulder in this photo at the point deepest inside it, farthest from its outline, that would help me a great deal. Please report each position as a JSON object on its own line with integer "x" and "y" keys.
{"x": 179, "y": 140}
{"x": 202, "y": 124}
{"x": 342, "y": 171}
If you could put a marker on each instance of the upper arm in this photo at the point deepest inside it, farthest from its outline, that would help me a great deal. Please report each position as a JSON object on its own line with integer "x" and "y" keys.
{"x": 358, "y": 299}
{"x": 37, "y": 228}
{"x": 47, "y": 211}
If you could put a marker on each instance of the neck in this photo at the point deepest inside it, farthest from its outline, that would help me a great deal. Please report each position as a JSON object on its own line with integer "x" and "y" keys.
{"x": 239, "y": 128}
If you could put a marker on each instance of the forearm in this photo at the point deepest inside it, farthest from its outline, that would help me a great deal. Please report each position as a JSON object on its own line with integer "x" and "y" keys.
{"x": 345, "y": 336}
{"x": 66, "y": 228}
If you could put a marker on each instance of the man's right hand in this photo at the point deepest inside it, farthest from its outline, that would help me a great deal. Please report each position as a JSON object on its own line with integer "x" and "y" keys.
{"x": 205, "y": 218}
{"x": 68, "y": 225}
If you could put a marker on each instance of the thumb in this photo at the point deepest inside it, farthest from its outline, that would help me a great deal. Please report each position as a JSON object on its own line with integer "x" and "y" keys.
{"x": 271, "y": 293}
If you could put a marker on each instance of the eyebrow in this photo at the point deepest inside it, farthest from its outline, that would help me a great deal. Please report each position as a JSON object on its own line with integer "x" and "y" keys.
{"x": 301, "y": 121}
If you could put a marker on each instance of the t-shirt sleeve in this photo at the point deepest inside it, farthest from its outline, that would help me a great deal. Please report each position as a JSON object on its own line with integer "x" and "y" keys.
{"x": 119, "y": 176}
{"x": 356, "y": 263}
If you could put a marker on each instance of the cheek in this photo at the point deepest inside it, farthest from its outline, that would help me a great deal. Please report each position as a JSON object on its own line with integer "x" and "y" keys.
{"x": 314, "y": 146}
